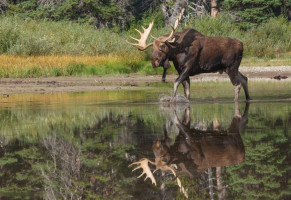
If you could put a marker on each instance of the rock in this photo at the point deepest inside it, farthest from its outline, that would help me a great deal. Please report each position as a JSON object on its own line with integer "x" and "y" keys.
{"x": 279, "y": 77}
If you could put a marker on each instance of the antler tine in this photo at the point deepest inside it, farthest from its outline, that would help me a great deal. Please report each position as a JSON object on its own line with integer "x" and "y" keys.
{"x": 156, "y": 170}
{"x": 144, "y": 164}
{"x": 179, "y": 19}
{"x": 133, "y": 38}
{"x": 174, "y": 28}
{"x": 154, "y": 37}
{"x": 141, "y": 45}
{"x": 182, "y": 189}
{"x": 138, "y": 167}
{"x": 166, "y": 167}
{"x": 138, "y": 31}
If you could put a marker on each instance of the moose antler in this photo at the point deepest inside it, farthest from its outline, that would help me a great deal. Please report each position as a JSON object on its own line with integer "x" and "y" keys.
{"x": 174, "y": 28}
{"x": 144, "y": 164}
{"x": 141, "y": 45}
{"x": 171, "y": 169}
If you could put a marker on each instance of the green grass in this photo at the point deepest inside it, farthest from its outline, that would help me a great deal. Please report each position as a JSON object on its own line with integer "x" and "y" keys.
{"x": 266, "y": 45}
{"x": 33, "y": 38}
{"x": 115, "y": 68}
{"x": 282, "y": 60}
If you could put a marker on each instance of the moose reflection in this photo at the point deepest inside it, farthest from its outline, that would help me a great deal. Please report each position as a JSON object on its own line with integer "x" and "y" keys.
{"x": 197, "y": 150}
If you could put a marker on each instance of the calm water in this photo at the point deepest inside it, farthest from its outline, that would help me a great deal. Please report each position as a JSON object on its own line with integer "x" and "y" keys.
{"x": 79, "y": 145}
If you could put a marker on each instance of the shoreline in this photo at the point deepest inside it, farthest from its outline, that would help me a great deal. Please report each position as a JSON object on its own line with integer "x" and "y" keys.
{"x": 126, "y": 82}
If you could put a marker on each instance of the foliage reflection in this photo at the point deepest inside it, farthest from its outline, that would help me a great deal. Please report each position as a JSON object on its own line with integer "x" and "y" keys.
{"x": 83, "y": 152}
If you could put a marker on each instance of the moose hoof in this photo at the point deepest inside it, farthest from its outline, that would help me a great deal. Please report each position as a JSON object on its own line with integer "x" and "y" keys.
{"x": 249, "y": 99}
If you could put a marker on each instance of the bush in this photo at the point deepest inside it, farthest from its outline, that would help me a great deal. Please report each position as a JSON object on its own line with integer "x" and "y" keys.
{"x": 33, "y": 38}
{"x": 269, "y": 39}
{"x": 9, "y": 35}
{"x": 222, "y": 26}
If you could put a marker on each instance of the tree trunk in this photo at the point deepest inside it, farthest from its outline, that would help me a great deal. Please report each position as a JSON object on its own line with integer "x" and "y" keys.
{"x": 172, "y": 11}
{"x": 211, "y": 185}
{"x": 214, "y": 8}
{"x": 3, "y": 5}
{"x": 220, "y": 188}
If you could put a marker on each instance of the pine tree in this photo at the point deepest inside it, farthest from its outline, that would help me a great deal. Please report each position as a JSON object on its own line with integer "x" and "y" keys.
{"x": 253, "y": 12}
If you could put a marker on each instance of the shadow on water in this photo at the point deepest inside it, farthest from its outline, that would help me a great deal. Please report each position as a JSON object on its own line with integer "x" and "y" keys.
{"x": 201, "y": 151}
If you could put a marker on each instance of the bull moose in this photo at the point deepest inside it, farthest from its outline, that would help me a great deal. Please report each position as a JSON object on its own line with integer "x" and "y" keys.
{"x": 196, "y": 150}
{"x": 193, "y": 53}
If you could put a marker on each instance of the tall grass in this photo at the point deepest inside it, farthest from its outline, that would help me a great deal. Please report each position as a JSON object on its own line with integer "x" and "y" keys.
{"x": 32, "y": 48}
{"x": 30, "y": 37}
{"x": 34, "y": 38}
{"x": 67, "y": 65}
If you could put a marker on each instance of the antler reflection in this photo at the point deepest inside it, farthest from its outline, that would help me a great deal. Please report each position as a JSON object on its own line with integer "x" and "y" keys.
{"x": 144, "y": 165}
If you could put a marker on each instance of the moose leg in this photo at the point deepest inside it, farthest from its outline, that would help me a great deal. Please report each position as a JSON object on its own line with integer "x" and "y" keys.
{"x": 183, "y": 126}
{"x": 244, "y": 82}
{"x": 182, "y": 77}
{"x": 236, "y": 81}
{"x": 164, "y": 75}
{"x": 237, "y": 112}
{"x": 236, "y": 91}
{"x": 187, "y": 120}
{"x": 186, "y": 85}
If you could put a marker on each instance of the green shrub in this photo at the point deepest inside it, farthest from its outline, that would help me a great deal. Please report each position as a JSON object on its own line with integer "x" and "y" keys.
{"x": 33, "y": 38}
{"x": 222, "y": 26}
{"x": 269, "y": 39}
{"x": 74, "y": 69}
{"x": 32, "y": 72}
{"x": 251, "y": 13}
{"x": 9, "y": 35}
{"x": 56, "y": 71}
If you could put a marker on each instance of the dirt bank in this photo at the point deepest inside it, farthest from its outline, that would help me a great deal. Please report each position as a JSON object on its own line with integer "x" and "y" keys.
{"x": 124, "y": 82}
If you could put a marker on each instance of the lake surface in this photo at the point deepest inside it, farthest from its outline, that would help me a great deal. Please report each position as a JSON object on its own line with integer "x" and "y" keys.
{"x": 80, "y": 145}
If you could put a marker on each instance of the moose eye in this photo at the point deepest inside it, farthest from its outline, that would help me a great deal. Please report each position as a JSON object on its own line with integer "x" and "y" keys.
{"x": 162, "y": 47}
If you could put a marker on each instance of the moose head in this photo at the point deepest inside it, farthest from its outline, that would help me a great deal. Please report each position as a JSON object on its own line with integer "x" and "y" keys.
{"x": 161, "y": 46}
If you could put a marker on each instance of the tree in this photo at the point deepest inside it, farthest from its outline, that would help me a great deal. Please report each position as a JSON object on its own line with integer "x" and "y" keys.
{"x": 250, "y": 13}
{"x": 265, "y": 173}
{"x": 214, "y": 8}
{"x": 3, "y": 5}
{"x": 96, "y": 12}
{"x": 197, "y": 8}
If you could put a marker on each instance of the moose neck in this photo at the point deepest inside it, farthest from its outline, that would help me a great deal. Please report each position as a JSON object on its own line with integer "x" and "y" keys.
{"x": 178, "y": 59}
{"x": 173, "y": 51}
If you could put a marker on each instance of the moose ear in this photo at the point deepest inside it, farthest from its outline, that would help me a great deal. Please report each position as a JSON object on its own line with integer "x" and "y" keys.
{"x": 162, "y": 46}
